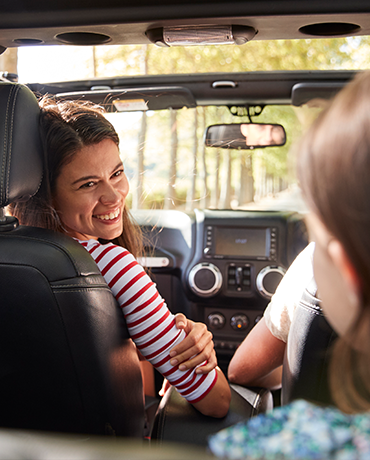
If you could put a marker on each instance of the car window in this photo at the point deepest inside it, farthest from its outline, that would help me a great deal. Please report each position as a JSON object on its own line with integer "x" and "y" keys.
{"x": 169, "y": 166}
{"x": 164, "y": 153}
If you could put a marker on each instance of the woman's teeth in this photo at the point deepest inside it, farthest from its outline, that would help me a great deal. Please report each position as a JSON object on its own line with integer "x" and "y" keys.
{"x": 109, "y": 216}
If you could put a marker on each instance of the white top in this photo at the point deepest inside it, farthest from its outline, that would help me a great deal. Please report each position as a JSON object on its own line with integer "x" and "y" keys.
{"x": 279, "y": 312}
{"x": 150, "y": 323}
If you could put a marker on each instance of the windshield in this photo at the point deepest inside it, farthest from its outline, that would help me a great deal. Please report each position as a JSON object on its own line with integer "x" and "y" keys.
{"x": 164, "y": 153}
{"x": 170, "y": 167}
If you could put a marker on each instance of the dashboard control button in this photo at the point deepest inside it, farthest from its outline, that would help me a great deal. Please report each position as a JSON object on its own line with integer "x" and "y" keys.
{"x": 239, "y": 322}
{"x": 216, "y": 320}
{"x": 239, "y": 277}
{"x": 205, "y": 279}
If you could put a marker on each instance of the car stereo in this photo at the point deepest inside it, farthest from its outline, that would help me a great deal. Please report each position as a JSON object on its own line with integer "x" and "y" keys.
{"x": 252, "y": 243}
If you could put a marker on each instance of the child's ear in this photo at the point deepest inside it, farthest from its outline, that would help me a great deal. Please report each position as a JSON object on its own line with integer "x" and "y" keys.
{"x": 348, "y": 272}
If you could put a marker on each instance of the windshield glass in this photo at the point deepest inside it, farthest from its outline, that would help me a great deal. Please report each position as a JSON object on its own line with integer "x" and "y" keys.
{"x": 164, "y": 153}
{"x": 170, "y": 167}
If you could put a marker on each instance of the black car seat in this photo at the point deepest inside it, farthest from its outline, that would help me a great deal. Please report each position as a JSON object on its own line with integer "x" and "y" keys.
{"x": 66, "y": 361}
{"x": 305, "y": 367}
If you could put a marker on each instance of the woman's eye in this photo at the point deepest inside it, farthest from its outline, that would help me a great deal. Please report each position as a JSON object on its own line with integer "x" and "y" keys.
{"x": 88, "y": 185}
{"x": 118, "y": 173}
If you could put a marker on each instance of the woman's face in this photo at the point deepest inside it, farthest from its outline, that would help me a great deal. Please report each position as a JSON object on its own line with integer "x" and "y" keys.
{"x": 90, "y": 192}
{"x": 331, "y": 268}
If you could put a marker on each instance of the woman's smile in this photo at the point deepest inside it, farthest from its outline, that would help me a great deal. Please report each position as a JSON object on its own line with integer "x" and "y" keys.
{"x": 91, "y": 192}
{"x": 110, "y": 217}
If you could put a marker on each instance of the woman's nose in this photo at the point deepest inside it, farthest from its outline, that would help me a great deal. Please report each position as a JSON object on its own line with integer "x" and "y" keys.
{"x": 110, "y": 195}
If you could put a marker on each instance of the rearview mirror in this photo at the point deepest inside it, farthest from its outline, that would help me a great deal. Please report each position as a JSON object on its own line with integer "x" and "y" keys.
{"x": 245, "y": 136}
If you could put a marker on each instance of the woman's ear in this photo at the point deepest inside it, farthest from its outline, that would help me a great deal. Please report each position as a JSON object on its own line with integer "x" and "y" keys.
{"x": 349, "y": 274}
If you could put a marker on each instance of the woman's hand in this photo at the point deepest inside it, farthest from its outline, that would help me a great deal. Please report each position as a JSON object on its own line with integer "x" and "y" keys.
{"x": 196, "y": 348}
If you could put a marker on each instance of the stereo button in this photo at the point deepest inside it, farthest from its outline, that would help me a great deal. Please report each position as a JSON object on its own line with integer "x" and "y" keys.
{"x": 216, "y": 320}
{"x": 239, "y": 322}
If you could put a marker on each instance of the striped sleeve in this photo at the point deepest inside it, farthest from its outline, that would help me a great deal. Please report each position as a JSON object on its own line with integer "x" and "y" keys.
{"x": 149, "y": 321}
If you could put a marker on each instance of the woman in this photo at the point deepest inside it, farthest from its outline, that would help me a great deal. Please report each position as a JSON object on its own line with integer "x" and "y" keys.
{"x": 83, "y": 195}
{"x": 333, "y": 169}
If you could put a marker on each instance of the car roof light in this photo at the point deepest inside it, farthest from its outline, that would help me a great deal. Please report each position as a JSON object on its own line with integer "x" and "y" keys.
{"x": 201, "y": 35}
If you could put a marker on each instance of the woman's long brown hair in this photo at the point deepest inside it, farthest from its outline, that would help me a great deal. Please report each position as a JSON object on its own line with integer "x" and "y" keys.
{"x": 66, "y": 127}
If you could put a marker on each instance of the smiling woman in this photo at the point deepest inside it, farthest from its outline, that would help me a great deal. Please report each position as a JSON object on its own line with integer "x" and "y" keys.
{"x": 91, "y": 191}
{"x": 83, "y": 195}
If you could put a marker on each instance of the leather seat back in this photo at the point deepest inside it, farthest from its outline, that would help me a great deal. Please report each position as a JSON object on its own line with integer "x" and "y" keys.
{"x": 305, "y": 367}
{"x": 66, "y": 360}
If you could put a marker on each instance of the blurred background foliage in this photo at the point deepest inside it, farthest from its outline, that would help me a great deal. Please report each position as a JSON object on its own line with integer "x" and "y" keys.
{"x": 176, "y": 170}
{"x": 164, "y": 154}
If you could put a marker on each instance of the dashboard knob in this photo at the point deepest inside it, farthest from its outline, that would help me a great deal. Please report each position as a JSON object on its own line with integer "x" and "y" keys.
{"x": 216, "y": 320}
{"x": 239, "y": 322}
{"x": 205, "y": 279}
{"x": 268, "y": 279}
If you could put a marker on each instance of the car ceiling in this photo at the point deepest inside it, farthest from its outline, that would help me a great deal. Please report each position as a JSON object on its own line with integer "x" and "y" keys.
{"x": 45, "y": 22}
{"x": 24, "y": 22}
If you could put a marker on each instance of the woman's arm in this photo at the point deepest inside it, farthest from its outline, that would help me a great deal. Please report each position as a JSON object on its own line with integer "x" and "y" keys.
{"x": 153, "y": 328}
{"x": 258, "y": 360}
{"x": 199, "y": 342}
{"x": 195, "y": 349}
{"x": 217, "y": 402}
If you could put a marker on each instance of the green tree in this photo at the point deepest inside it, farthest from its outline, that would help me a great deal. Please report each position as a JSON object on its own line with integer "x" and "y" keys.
{"x": 254, "y": 172}
{"x": 138, "y": 196}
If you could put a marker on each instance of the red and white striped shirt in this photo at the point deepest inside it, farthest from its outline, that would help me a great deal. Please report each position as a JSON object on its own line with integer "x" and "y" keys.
{"x": 149, "y": 321}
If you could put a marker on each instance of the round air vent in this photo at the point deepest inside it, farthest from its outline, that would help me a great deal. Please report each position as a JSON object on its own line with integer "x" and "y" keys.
{"x": 329, "y": 29}
{"x": 268, "y": 279}
{"x": 83, "y": 38}
{"x": 205, "y": 279}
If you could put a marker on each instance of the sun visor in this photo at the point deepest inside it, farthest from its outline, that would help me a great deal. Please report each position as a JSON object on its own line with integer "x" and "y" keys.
{"x": 305, "y": 92}
{"x": 133, "y": 99}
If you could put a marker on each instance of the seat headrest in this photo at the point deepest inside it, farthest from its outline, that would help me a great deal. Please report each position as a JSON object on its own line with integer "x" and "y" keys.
{"x": 21, "y": 147}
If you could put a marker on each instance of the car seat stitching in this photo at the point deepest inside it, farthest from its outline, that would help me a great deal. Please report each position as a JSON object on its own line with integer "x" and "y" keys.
{"x": 93, "y": 288}
{"x": 10, "y": 112}
{"x": 3, "y": 166}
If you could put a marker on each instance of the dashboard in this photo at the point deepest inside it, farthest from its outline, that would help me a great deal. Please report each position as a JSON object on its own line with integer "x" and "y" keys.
{"x": 220, "y": 267}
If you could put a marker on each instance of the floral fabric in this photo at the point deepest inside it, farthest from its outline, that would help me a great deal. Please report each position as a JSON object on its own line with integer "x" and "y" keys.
{"x": 299, "y": 430}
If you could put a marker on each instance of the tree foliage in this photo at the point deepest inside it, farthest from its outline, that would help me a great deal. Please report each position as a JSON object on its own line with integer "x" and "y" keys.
{"x": 222, "y": 177}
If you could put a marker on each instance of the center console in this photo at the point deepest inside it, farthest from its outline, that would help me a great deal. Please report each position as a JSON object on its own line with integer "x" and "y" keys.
{"x": 221, "y": 267}
{"x": 239, "y": 260}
